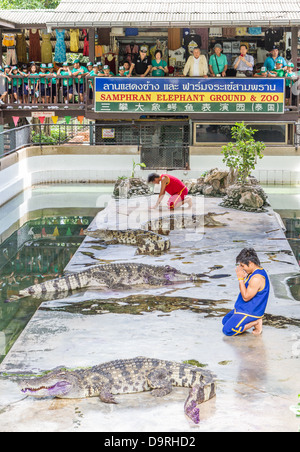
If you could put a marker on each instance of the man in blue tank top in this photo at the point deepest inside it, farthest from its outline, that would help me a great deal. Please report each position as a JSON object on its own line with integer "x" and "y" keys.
{"x": 252, "y": 301}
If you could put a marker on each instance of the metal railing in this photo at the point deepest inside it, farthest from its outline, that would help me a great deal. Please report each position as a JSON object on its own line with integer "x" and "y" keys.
{"x": 34, "y": 91}
{"x": 69, "y": 92}
{"x": 43, "y": 134}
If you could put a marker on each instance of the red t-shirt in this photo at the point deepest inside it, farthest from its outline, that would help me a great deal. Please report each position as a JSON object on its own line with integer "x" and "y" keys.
{"x": 174, "y": 186}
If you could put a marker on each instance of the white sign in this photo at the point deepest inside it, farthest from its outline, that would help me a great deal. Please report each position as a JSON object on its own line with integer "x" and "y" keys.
{"x": 47, "y": 114}
{"x": 108, "y": 133}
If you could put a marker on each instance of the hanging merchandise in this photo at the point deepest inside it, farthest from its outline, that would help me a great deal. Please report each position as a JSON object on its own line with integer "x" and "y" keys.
{"x": 216, "y": 32}
{"x": 46, "y": 48}
{"x": 9, "y": 41}
{"x": 110, "y": 60}
{"x": 104, "y": 36}
{"x": 34, "y": 45}
{"x": 174, "y": 38}
{"x": 229, "y": 32}
{"x": 272, "y": 36}
{"x": 254, "y": 31}
{"x": 130, "y": 51}
{"x": 162, "y": 46}
{"x": 203, "y": 32}
{"x": 86, "y": 43}
{"x": 74, "y": 40}
{"x": 60, "y": 47}
{"x": 11, "y": 56}
{"x": 177, "y": 57}
{"x": 21, "y": 48}
{"x": 190, "y": 42}
{"x": 98, "y": 51}
{"x": 241, "y": 31}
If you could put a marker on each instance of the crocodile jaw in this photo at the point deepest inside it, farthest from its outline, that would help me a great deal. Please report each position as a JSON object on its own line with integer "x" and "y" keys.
{"x": 59, "y": 389}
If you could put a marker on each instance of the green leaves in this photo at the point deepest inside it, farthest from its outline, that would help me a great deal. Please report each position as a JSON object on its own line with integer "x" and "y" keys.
{"x": 29, "y": 4}
{"x": 242, "y": 154}
{"x": 134, "y": 165}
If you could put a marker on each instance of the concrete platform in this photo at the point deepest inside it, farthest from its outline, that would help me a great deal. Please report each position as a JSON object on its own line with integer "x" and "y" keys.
{"x": 258, "y": 377}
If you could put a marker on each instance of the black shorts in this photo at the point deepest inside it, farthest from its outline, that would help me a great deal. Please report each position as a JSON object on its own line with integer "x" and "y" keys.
{"x": 23, "y": 91}
{"x": 65, "y": 90}
{"x": 79, "y": 88}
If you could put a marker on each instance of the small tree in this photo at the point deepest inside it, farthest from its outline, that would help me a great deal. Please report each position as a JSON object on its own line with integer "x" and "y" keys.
{"x": 243, "y": 153}
{"x": 134, "y": 165}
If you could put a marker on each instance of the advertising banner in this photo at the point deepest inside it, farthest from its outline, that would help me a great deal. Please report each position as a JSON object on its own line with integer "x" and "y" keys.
{"x": 189, "y": 95}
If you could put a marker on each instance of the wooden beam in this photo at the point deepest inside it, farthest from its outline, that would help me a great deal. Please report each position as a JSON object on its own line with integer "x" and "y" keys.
{"x": 92, "y": 44}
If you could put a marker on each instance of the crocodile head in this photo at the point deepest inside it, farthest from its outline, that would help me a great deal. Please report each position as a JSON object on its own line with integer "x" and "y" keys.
{"x": 171, "y": 275}
{"x": 57, "y": 383}
{"x": 98, "y": 233}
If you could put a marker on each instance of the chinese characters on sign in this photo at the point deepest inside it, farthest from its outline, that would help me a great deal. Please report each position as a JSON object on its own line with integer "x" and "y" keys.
{"x": 181, "y": 95}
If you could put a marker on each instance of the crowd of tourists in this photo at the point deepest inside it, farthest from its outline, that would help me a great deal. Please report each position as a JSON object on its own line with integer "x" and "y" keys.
{"x": 35, "y": 84}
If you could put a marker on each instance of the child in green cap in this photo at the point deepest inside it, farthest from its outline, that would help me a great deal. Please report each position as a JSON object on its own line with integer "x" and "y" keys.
{"x": 66, "y": 82}
{"x": 290, "y": 78}
{"x": 262, "y": 73}
{"x": 51, "y": 90}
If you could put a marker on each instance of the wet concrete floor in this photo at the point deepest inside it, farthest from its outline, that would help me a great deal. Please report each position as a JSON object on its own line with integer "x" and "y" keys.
{"x": 258, "y": 377}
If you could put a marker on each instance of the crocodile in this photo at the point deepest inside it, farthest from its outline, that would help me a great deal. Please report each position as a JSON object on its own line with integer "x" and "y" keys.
{"x": 163, "y": 225}
{"x": 147, "y": 242}
{"x": 125, "y": 376}
{"x": 150, "y": 237}
{"x": 112, "y": 276}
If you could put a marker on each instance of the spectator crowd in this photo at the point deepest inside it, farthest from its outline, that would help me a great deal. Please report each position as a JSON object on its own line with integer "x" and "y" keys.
{"x": 39, "y": 84}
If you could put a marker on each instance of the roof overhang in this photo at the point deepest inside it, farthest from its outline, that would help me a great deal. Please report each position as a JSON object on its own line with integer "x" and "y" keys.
{"x": 6, "y": 24}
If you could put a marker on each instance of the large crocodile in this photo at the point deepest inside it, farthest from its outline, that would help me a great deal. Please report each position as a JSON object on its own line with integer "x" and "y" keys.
{"x": 147, "y": 242}
{"x": 112, "y": 276}
{"x": 126, "y": 376}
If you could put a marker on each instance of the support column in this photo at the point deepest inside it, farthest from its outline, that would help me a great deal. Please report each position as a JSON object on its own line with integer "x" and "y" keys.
{"x": 0, "y": 46}
{"x": 294, "y": 45}
{"x": 92, "y": 44}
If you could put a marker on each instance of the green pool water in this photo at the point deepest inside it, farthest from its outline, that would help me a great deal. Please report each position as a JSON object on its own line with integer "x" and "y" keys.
{"x": 38, "y": 251}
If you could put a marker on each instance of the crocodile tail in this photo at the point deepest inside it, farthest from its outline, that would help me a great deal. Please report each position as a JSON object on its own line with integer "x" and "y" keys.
{"x": 199, "y": 393}
{"x": 58, "y": 285}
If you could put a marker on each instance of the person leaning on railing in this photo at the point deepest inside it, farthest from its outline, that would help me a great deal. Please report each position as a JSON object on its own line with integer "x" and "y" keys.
{"x": 32, "y": 83}
{"x": 3, "y": 98}
{"x": 42, "y": 81}
{"x": 16, "y": 83}
{"x": 244, "y": 63}
{"x": 196, "y": 65}
{"x": 218, "y": 62}
{"x": 94, "y": 72}
{"x": 67, "y": 83}
{"x": 159, "y": 66}
{"x": 79, "y": 72}
{"x": 51, "y": 90}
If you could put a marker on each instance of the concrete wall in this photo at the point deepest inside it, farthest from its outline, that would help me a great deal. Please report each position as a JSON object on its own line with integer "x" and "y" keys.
{"x": 90, "y": 164}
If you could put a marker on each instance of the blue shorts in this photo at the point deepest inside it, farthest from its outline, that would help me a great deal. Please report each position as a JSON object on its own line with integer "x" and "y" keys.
{"x": 235, "y": 322}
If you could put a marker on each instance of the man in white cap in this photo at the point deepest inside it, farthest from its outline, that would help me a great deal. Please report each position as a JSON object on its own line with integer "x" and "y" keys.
{"x": 141, "y": 64}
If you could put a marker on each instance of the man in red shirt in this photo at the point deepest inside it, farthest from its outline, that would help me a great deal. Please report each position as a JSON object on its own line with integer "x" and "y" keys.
{"x": 175, "y": 187}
